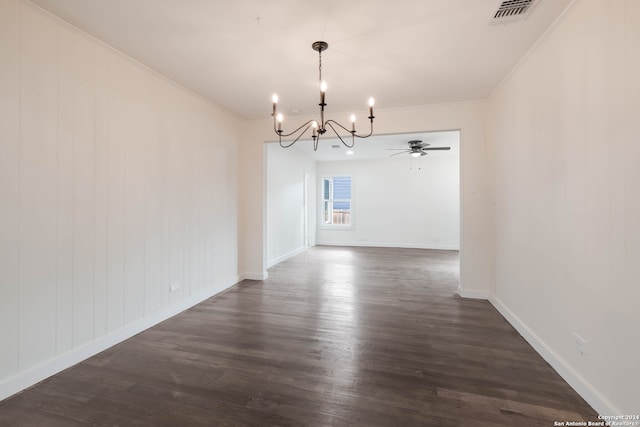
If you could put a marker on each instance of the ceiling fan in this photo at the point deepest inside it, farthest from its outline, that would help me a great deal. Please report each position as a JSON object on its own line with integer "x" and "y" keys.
{"x": 417, "y": 148}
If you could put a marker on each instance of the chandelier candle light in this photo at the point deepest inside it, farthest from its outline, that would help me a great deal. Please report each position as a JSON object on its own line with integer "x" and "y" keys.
{"x": 318, "y": 128}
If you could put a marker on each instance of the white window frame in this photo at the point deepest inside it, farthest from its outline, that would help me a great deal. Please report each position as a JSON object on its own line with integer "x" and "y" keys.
{"x": 321, "y": 214}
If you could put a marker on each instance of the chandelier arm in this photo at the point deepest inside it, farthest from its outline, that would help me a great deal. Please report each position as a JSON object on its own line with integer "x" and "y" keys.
{"x": 338, "y": 135}
{"x": 307, "y": 124}
{"x": 366, "y": 136}
{"x": 352, "y": 132}
{"x": 298, "y": 137}
{"x": 328, "y": 122}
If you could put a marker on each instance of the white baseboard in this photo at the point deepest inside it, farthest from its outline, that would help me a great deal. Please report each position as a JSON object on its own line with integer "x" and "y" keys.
{"x": 61, "y": 362}
{"x": 473, "y": 294}
{"x": 285, "y": 257}
{"x": 392, "y": 245}
{"x": 579, "y": 384}
{"x": 250, "y": 275}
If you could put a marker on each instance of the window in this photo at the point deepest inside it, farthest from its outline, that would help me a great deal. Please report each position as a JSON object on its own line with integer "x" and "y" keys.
{"x": 336, "y": 195}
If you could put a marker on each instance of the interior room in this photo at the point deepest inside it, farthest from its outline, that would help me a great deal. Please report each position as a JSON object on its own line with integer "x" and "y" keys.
{"x": 408, "y": 201}
{"x": 150, "y": 214}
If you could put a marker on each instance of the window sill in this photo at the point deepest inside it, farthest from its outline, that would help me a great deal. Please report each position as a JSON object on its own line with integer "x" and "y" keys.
{"x": 336, "y": 227}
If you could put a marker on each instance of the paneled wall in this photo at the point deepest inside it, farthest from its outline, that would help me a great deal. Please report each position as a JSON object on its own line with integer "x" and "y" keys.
{"x": 115, "y": 184}
{"x": 565, "y": 154}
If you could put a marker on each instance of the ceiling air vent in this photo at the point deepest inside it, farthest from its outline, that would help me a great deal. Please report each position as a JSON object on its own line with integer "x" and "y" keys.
{"x": 512, "y": 10}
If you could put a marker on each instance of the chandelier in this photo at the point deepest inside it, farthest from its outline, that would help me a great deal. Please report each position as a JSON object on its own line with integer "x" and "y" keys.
{"x": 318, "y": 128}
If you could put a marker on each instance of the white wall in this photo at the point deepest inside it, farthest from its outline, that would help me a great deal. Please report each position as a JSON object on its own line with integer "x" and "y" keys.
{"x": 114, "y": 183}
{"x": 399, "y": 202}
{"x": 286, "y": 186}
{"x": 562, "y": 131}
{"x": 476, "y": 262}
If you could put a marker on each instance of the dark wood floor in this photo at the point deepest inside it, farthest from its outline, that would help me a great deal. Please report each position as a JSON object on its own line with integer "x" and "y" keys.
{"x": 336, "y": 336}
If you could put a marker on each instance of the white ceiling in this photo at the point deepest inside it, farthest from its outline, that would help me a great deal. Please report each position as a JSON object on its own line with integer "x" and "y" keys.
{"x": 238, "y": 53}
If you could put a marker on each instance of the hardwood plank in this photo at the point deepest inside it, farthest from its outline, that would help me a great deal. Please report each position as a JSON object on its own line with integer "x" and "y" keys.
{"x": 335, "y": 337}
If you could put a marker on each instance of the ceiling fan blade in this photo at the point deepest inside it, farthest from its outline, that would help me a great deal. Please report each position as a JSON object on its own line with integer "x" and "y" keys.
{"x": 423, "y": 144}
{"x": 396, "y": 149}
{"x": 402, "y": 152}
{"x": 437, "y": 148}
{"x": 423, "y": 154}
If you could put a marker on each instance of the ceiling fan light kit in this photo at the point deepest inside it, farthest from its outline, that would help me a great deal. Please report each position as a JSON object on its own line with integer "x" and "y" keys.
{"x": 318, "y": 128}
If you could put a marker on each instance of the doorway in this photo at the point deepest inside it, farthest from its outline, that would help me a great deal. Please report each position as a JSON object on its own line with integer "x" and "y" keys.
{"x": 399, "y": 200}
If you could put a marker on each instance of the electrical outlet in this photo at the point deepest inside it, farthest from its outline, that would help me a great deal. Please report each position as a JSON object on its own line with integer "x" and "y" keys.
{"x": 580, "y": 343}
{"x": 174, "y": 287}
